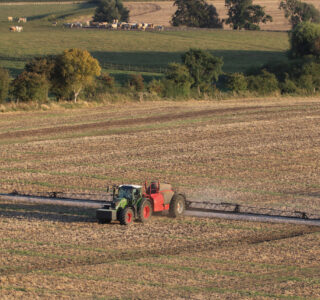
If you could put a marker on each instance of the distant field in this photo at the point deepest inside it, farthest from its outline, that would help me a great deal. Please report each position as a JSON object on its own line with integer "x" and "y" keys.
{"x": 240, "y": 50}
{"x": 160, "y": 12}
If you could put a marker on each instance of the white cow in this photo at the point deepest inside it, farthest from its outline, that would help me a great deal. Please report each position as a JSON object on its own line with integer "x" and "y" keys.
{"x": 16, "y": 28}
{"x": 22, "y": 20}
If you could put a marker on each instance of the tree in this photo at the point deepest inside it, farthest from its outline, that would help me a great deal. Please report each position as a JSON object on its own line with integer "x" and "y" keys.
{"x": 4, "y": 84}
{"x": 196, "y": 13}
{"x": 177, "y": 81}
{"x": 136, "y": 82}
{"x": 203, "y": 67}
{"x": 305, "y": 40}
{"x": 264, "y": 84}
{"x": 74, "y": 70}
{"x": 242, "y": 14}
{"x": 109, "y": 10}
{"x": 42, "y": 65}
{"x": 237, "y": 82}
{"x": 297, "y": 12}
{"x": 30, "y": 86}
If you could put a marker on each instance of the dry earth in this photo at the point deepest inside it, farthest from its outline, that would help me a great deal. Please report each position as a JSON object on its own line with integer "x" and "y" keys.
{"x": 262, "y": 153}
{"x": 60, "y": 252}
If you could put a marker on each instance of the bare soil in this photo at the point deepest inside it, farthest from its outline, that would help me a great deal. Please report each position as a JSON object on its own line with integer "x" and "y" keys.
{"x": 259, "y": 153}
{"x": 59, "y": 252}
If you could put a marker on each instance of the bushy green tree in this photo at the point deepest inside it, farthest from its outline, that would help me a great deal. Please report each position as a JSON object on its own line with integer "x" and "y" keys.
{"x": 109, "y": 10}
{"x": 297, "y": 12}
{"x": 195, "y": 13}
{"x": 30, "y": 87}
{"x": 237, "y": 82}
{"x": 136, "y": 82}
{"x": 264, "y": 84}
{"x": 74, "y": 70}
{"x": 288, "y": 86}
{"x": 305, "y": 40}
{"x": 4, "y": 84}
{"x": 242, "y": 14}
{"x": 177, "y": 81}
{"x": 42, "y": 65}
{"x": 203, "y": 67}
{"x": 156, "y": 86}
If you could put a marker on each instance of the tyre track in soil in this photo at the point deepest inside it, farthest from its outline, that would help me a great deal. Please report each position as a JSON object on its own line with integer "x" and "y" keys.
{"x": 172, "y": 250}
{"x": 140, "y": 121}
{"x": 154, "y": 8}
{"x": 178, "y": 249}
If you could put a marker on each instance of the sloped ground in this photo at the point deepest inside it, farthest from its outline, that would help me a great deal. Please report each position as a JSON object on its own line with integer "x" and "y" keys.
{"x": 143, "y": 12}
{"x": 262, "y": 153}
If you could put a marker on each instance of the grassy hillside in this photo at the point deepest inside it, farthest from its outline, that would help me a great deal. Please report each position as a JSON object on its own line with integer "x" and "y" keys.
{"x": 240, "y": 50}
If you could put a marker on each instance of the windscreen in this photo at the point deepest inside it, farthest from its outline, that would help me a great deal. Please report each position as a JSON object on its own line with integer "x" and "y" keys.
{"x": 125, "y": 192}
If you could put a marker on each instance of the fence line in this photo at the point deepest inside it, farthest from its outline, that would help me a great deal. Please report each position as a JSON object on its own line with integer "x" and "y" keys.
{"x": 110, "y": 66}
{"x": 134, "y": 68}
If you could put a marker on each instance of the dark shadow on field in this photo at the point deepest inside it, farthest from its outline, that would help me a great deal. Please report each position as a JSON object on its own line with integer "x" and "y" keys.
{"x": 234, "y": 60}
{"x": 58, "y": 213}
{"x": 155, "y": 63}
{"x": 123, "y": 78}
{"x": 63, "y": 15}
{"x": 14, "y": 71}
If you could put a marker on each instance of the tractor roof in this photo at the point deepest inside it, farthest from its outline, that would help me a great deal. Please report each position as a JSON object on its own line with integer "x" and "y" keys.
{"x": 131, "y": 185}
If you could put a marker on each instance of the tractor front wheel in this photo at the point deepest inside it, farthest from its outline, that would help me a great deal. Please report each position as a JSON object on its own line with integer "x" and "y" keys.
{"x": 126, "y": 216}
{"x": 177, "y": 206}
{"x": 145, "y": 211}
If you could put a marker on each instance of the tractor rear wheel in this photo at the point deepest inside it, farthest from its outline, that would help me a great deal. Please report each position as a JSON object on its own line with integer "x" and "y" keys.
{"x": 126, "y": 216}
{"x": 177, "y": 206}
{"x": 145, "y": 211}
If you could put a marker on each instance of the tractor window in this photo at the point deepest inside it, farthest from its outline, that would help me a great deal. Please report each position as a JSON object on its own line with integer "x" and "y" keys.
{"x": 125, "y": 192}
{"x": 136, "y": 194}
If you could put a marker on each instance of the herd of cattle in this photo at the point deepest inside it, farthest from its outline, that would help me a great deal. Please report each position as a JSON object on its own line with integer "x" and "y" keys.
{"x": 115, "y": 25}
{"x": 19, "y": 20}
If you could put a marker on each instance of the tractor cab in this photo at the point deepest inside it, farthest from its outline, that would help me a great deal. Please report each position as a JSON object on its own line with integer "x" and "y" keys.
{"x": 127, "y": 191}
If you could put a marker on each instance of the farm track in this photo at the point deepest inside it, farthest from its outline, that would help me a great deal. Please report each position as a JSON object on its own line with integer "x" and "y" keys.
{"x": 135, "y": 121}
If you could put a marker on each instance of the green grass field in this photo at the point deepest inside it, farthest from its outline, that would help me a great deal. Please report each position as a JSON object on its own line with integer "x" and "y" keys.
{"x": 240, "y": 50}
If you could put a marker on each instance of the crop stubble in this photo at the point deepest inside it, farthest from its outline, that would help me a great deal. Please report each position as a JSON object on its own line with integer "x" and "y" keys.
{"x": 63, "y": 253}
{"x": 262, "y": 153}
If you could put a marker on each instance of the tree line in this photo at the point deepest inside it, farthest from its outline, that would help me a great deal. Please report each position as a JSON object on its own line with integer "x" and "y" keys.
{"x": 74, "y": 72}
{"x": 242, "y": 14}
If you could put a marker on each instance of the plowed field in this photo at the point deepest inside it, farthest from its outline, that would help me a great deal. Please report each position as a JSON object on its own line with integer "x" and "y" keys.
{"x": 262, "y": 153}
{"x": 56, "y": 252}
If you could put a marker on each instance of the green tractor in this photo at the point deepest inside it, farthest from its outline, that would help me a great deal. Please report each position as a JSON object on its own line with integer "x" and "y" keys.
{"x": 133, "y": 202}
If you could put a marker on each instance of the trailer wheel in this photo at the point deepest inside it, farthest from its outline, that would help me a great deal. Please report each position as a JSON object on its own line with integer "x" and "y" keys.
{"x": 126, "y": 216}
{"x": 177, "y": 206}
{"x": 145, "y": 211}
